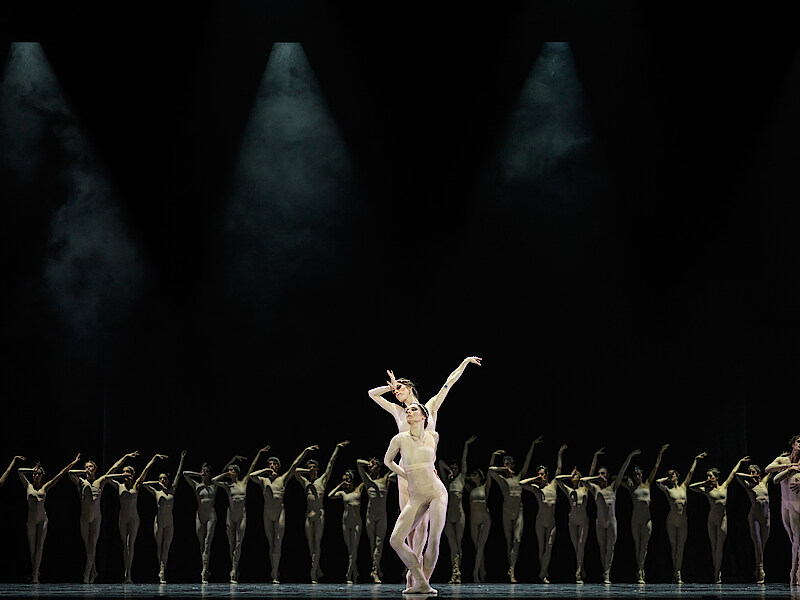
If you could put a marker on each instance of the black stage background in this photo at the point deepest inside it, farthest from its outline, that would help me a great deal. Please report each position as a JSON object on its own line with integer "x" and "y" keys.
{"x": 636, "y": 284}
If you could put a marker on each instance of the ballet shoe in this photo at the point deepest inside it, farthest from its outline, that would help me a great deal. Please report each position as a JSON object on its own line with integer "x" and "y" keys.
{"x": 761, "y": 575}
{"x": 578, "y": 576}
{"x": 511, "y": 576}
{"x": 718, "y": 577}
{"x": 375, "y": 577}
{"x": 421, "y": 588}
{"x": 677, "y": 577}
{"x": 234, "y": 577}
{"x": 545, "y": 579}
{"x": 274, "y": 581}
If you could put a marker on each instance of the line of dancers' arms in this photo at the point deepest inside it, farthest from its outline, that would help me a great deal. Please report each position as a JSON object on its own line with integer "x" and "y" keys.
{"x": 431, "y": 502}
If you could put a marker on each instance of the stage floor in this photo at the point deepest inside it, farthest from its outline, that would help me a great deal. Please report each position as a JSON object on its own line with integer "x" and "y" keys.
{"x": 467, "y": 590}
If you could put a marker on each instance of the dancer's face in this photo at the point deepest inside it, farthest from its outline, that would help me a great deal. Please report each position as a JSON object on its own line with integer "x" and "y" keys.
{"x": 163, "y": 480}
{"x": 205, "y": 473}
{"x": 711, "y": 477}
{"x": 348, "y": 482}
{"x": 233, "y": 474}
{"x": 402, "y": 393}
{"x": 542, "y": 473}
{"x": 454, "y": 470}
{"x": 37, "y": 475}
{"x": 274, "y": 465}
{"x": 128, "y": 472}
{"x": 604, "y": 477}
{"x": 414, "y": 414}
{"x": 90, "y": 469}
{"x": 313, "y": 471}
{"x": 754, "y": 472}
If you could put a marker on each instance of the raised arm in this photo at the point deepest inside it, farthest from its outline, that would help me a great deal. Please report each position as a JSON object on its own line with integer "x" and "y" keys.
{"x": 119, "y": 463}
{"x": 180, "y": 471}
{"x": 60, "y": 474}
{"x": 290, "y": 471}
{"x": 693, "y": 467}
{"x": 443, "y": 468}
{"x": 361, "y": 465}
{"x": 329, "y": 469}
{"x": 528, "y": 457}
{"x": 236, "y": 458}
{"x": 653, "y": 473}
{"x": 559, "y": 460}
{"x": 377, "y": 395}
{"x": 621, "y": 474}
{"x": 464, "y": 454}
{"x": 249, "y": 473}
{"x": 5, "y": 475}
{"x": 728, "y": 481}
{"x": 594, "y": 461}
{"x": 434, "y": 403}
{"x": 143, "y": 475}
{"x": 488, "y": 484}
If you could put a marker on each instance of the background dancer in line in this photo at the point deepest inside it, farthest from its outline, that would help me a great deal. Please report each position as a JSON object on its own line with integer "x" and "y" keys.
{"x": 377, "y": 487}
{"x": 758, "y": 518}
{"x": 128, "y": 489}
{"x": 163, "y": 491}
{"x": 350, "y": 495}
{"x": 455, "y": 477}
{"x": 677, "y": 521}
{"x": 641, "y": 521}
{"x": 36, "y": 525}
{"x": 513, "y": 520}
{"x": 314, "y": 485}
{"x": 480, "y": 520}
{"x": 546, "y": 492}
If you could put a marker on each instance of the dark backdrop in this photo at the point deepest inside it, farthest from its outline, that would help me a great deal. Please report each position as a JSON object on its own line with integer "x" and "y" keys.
{"x": 638, "y": 290}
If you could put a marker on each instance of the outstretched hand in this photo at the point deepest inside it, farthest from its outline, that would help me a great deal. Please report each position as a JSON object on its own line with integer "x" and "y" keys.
{"x": 343, "y": 444}
{"x": 471, "y": 439}
{"x": 474, "y": 360}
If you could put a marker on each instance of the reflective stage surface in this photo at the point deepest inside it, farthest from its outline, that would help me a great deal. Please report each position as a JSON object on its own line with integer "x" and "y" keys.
{"x": 469, "y": 590}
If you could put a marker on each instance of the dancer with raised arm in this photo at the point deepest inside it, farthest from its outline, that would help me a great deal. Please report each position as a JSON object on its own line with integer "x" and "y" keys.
{"x": 90, "y": 488}
{"x": 577, "y": 493}
{"x": 273, "y": 487}
{"x": 786, "y": 470}
{"x": 236, "y": 516}
{"x": 205, "y": 492}
{"x": 314, "y": 485}
{"x": 605, "y": 498}
{"x": 641, "y": 521}
{"x": 717, "y": 495}
{"x": 405, "y": 392}
{"x": 377, "y": 487}
{"x": 163, "y": 491}
{"x": 350, "y": 495}
{"x": 426, "y": 496}
{"x": 513, "y": 523}
{"x": 36, "y": 492}
{"x": 455, "y": 476}
{"x": 4, "y": 476}
{"x": 546, "y": 492}
{"x": 128, "y": 489}
{"x": 758, "y": 518}
{"x": 480, "y": 521}
{"x": 677, "y": 521}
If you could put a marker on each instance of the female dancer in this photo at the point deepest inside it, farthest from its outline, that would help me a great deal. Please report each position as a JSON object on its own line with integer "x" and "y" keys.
{"x": 273, "y": 487}
{"x": 426, "y": 495}
{"x": 480, "y": 521}
{"x": 786, "y": 468}
{"x": 163, "y": 526}
{"x": 454, "y": 480}
{"x": 205, "y": 492}
{"x": 677, "y": 522}
{"x": 350, "y": 494}
{"x": 405, "y": 393}
{"x": 759, "y": 517}
{"x": 314, "y": 484}
{"x": 513, "y": 522}
{"x": 577, "y": 493}
{"x": 377, "y": 487}
{"x": 641, "y": 522}
{"x": 4, "y": 476}
{"x": 717, "y": 495}
{"x": 546, "y": 495}
{"x": 36, "y": 492}
{"x": 90, "y": 488}
{"x": 605, "y": 498}
{"x": 128, "y": 489}
{"x": 236, "y": 516}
